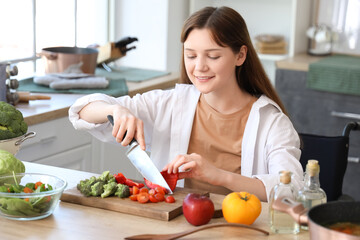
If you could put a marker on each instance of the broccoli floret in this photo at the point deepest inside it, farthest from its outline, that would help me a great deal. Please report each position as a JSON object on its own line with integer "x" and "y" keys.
{"x": 122, "y": 191}
{"x": 109, "y": 189}
{"x": 107, "y": 177}
{"x": 97, "y": 188}
{"x": 104, "y": 176}
{"x": 84, "y": 186}
{"x": 104, "y": 185}
{"x": 111, "y": 179}
{"x": 12, "y": 123}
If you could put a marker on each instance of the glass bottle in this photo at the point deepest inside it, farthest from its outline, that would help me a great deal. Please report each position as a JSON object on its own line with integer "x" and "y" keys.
{"x": 311, "y": 194}
{"x": 281, "y": 222}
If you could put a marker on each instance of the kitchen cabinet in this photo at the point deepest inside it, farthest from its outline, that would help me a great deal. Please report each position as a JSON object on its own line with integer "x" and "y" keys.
{"x": 57, "y": 143}
{"x": 317, "y": 112}
{"x": 289, "y": 18}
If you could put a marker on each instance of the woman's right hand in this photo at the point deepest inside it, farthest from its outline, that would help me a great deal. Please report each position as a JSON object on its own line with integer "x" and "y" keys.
{"x": 126, "y": 122}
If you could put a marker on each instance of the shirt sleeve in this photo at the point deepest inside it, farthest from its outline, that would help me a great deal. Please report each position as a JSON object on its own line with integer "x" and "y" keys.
{"x": 100, "y": 131}
{"x": 282, "y": 152}
{"x": 149, "y": 107}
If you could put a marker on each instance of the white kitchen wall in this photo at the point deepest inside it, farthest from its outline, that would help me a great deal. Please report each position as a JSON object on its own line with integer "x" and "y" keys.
{"x": 91, "y": 19}
{"x": 157, "y": 24}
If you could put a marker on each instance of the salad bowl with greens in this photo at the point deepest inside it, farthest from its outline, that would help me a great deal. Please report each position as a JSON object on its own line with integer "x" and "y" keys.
{"x": 29, "y": 196}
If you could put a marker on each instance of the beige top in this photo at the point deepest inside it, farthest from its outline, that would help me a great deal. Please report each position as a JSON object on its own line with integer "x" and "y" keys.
{"x": 218, "y": 137}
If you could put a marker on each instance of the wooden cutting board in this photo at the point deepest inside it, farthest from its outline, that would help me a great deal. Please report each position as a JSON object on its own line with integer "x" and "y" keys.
{"x": 161, "y": 210}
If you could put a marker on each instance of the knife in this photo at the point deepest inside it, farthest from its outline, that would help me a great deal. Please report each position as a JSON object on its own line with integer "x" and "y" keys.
{"x": 142, "y": 162}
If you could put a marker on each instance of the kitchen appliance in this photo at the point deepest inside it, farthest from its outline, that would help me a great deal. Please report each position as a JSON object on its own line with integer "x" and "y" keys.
{"x": 140, "y": 159}
{"x": 8, "y": 85}
{"x": 3, "y": 87}
{"x": 320, "y": 35}
{"x": 320, "y": 40}
{"x": 318, "y": 218}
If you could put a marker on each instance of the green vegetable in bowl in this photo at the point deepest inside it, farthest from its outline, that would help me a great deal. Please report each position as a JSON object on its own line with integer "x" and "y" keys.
{"x": 25, "y": 206}
{"x": 9, "y": 163}
{"x": 12, "y": 123}
{"x": 3, "y": 189}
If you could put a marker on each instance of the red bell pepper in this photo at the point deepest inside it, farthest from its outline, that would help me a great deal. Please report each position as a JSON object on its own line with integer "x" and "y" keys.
{"x": 131, "y": 183}
{"x": 120, "y": 178}
{"x": 152, "y": 185}
{"x": 171, "y": 180}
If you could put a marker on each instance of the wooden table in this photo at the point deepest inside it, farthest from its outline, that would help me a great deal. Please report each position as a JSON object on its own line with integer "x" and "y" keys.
{"x": 72, "y": 221}
{"x": 38, "y": 111}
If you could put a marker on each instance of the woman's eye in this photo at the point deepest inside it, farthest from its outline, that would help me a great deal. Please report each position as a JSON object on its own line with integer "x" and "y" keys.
{"x": 214, "y": 57}
{"x": 190, "y": 56}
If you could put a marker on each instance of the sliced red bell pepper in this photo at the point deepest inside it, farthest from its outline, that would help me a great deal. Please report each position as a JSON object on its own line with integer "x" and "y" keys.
{"x": 171, "y": 180}
{"x": 131, "y": 183}
{"x": 151, "y": 185}
{"x": 120, "y": 178}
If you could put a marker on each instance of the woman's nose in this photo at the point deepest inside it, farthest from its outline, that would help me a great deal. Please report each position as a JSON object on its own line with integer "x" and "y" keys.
{"x": 201, "y": 64}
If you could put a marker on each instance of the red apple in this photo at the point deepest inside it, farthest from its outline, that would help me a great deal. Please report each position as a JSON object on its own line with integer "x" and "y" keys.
{"x": 198, "y": 209}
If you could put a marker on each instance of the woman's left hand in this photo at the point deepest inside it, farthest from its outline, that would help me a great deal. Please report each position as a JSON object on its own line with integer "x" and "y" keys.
{"x": 193, "y": 166}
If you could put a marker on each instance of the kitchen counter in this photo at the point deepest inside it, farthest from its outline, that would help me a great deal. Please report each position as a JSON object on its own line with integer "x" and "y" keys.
{"x": 38, "y": 111}
{"x": 299, "y": 62}
{"x": 72, "y": 221}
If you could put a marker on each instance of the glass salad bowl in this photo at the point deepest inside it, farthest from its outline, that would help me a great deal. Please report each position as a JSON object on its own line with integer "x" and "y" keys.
{"x": 29, "y": 196}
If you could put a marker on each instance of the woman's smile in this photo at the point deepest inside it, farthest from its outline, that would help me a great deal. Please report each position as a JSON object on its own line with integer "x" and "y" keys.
{"x": 203, "y": 78}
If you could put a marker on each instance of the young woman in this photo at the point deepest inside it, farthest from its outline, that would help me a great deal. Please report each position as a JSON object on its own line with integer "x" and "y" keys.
{"x": 224, "y": 128}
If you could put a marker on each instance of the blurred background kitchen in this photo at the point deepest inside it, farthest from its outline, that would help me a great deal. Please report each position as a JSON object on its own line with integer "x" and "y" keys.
{"x": 290, "y": 35}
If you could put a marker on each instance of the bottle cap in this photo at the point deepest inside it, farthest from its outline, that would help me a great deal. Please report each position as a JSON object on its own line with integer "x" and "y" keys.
{"x": 312, "y": 167}
{"x": 285, "y": 177}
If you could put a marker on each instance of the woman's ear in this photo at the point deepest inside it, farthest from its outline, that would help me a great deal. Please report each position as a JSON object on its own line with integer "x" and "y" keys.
{"x": 241, "y": 56}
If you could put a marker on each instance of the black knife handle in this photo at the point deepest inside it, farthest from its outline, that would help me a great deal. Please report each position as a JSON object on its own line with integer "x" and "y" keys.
{"x": 111, "y": 120}
{"x": 125, "y": 41}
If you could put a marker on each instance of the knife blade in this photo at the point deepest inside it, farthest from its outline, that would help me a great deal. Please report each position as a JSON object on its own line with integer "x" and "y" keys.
{"x": 142, "y": 162}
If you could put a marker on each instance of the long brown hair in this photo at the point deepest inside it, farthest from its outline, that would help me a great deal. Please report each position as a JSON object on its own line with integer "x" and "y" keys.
{"x": 229, "y": 29}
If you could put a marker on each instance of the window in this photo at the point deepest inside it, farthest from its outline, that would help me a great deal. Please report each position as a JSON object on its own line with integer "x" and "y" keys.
{"x": 27, "y": 26}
